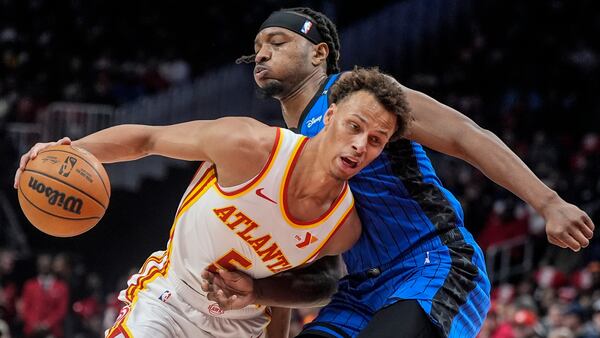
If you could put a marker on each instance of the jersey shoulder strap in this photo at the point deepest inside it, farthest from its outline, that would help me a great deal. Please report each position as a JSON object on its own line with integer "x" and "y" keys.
{"x": 311, "y": 121}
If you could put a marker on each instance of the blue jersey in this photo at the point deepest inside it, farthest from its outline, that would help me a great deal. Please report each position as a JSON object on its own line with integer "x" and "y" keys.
{"x": 401, "y": 202}
{"x": 413, "y": 239}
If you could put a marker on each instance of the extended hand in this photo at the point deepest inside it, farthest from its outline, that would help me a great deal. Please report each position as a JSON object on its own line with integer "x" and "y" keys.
{"x": 232, "y": 290}
{"x": 567, "y": 226}
{"x": 33, "y": 152}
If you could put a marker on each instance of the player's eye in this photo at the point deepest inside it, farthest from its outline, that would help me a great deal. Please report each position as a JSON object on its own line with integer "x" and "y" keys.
{"x": 353, "y": 126}
{"x": 375, "y": 141}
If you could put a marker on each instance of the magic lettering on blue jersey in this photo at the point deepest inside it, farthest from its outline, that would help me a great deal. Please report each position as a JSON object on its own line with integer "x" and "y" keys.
{"x": 406, "y": 213}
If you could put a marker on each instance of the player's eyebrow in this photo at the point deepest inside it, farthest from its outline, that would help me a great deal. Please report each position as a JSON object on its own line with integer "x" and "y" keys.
{"x": 270, "y": 35}
{"x": 381, "y": 131}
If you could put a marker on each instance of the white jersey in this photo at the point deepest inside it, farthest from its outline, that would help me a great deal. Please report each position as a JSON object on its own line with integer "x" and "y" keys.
{"x": 247, "y": 227}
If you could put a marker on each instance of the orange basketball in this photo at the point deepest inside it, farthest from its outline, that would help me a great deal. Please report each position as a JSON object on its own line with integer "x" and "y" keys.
{"x": 64, "y": 191}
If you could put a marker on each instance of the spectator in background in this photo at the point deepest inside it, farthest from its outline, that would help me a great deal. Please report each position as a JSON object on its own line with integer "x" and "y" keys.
{"x": 526, "y": 324}
{"x": 89, "y": 308}
{"x": 573, "y": 319}
{"x": 553, "y": 319}
{"x": 7, "y": 151}
{"x": 8, "y": 286}
{"x": 4, "y": 330}
{"x": 592, "y": 328}
{"x": 508, "y": 220}
{"x": 45, "y": 301}
{"x": 561, "y": 332}
{"x": 174, "y": 69}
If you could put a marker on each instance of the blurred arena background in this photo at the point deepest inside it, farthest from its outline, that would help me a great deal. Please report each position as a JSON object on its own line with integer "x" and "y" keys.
{"x": 527, "y": 70}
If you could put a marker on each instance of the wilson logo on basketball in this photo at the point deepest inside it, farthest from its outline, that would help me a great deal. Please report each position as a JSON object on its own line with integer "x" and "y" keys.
{"x": 56, "y": 197}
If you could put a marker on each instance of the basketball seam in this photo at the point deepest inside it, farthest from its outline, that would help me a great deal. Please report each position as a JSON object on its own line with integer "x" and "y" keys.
{"x": 66, "y": 183}
{"x": 86, "y": 161}
{"x": 51, "y": 214}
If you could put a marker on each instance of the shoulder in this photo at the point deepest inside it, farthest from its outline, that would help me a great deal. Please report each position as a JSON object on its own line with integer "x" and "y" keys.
{"x": 246, "y": 133}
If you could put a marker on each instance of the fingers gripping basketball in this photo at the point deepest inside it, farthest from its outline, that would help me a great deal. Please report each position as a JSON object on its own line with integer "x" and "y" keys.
{"x": 64, "y": 191}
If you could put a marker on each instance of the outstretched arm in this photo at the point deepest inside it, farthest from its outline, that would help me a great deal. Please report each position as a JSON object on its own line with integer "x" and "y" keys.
{"x": 443, "y": 129}
{"x": 238, "y": 140}
{"x": 309, "y": 286}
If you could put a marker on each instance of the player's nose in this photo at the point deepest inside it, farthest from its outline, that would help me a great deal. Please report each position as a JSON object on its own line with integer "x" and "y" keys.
{"x": 262, "y": 55}
{"x": 359, "y": 144}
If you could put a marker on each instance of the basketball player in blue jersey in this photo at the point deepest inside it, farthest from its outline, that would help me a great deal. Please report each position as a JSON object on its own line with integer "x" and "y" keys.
{"x": 416, "y": 271}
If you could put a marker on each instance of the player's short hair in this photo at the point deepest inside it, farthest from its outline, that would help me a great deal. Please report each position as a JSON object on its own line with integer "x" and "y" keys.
{"x": 385, "y": 88}
{"x": 328, "y": 32}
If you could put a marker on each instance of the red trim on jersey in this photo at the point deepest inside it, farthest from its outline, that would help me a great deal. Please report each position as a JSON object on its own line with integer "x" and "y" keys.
{"x": 117, "y": 331}
{"x": 262, "y": 172}
{"x": 189, "y": 198}
{"x": 197, "y": 170}
{"x": 118, "y": 328}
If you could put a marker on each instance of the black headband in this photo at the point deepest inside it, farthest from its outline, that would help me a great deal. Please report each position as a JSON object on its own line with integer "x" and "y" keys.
{"x": 296, "y": 23}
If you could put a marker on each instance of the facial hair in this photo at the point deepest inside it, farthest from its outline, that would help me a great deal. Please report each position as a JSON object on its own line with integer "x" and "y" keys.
{"x": 270, "y": 90}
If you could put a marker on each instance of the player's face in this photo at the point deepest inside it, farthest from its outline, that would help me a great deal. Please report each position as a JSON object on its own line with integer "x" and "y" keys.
{"x": 283, "y": 60}
{"x": 357, "y": 128}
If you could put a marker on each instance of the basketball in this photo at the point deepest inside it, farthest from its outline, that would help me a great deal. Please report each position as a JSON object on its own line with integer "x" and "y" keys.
{"x": 64, "y": 191}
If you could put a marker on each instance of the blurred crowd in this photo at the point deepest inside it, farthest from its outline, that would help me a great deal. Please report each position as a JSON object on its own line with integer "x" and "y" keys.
{"x": 53, "y": 295}
{"x": 549, "y": 303}
{"x": 80, "y": 51}
{"x": 90, "y": 51}
{"x": 534, "y": 82}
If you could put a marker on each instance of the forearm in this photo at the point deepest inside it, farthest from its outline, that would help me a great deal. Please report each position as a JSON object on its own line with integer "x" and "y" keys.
{"x": 279, "y": 327}
{"x": 292, "y": 292}
{"x": 485, "y": 151}
{"x": 309, "y": 287}
{"x": 117, "y": 144}
{"x": 444, "y": 129}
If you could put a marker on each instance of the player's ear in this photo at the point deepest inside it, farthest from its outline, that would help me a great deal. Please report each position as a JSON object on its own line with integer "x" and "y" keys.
{"x": 329, "y": 114}
{"x": 320, "y": 53}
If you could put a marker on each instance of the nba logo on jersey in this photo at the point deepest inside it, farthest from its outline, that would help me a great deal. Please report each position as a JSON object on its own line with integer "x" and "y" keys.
{"x": 165, "y": 296}
{"x": 306, "y": 27}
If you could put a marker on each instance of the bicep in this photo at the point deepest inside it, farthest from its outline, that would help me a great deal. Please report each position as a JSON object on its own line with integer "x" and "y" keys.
{"x": 201, "y": 140}
{"x": 438, "y": 126}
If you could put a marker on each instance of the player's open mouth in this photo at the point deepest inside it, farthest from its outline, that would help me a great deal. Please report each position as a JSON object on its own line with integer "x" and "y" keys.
{"x": 351, "y": 163}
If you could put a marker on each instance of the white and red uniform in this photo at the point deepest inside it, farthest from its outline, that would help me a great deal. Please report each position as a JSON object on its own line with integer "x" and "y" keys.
{"x": 247, "y": 227}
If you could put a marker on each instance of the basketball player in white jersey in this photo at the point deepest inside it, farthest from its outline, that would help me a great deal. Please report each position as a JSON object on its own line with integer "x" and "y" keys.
{"x": 265, "y": 200}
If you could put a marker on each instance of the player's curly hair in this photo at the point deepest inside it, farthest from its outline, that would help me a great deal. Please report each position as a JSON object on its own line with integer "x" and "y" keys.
{"x": 385, "y": 88}
{"x": 328, "y": 32}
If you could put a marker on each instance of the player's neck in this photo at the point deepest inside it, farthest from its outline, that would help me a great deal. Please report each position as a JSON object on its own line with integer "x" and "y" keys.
{"x": 310, "y": 179}
{"x": 294, "y": 103}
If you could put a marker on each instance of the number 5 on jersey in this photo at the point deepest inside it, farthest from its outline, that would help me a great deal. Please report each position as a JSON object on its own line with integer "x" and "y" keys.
{"x": 231, "y": 261}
